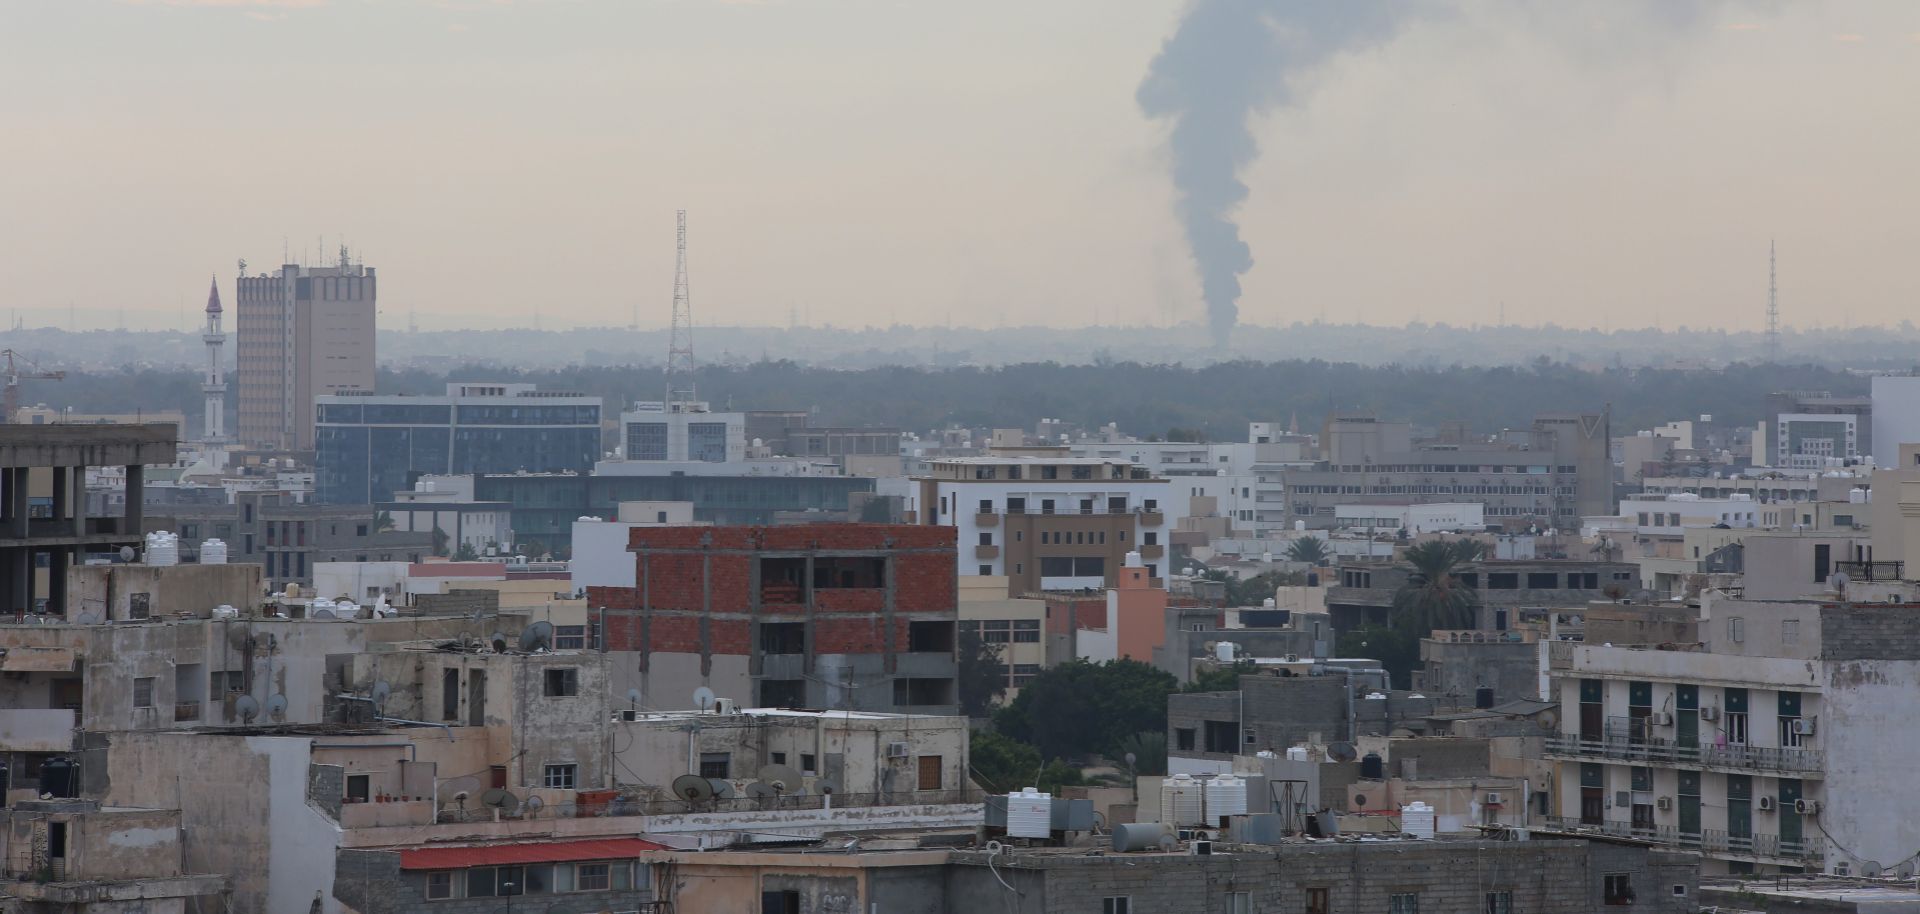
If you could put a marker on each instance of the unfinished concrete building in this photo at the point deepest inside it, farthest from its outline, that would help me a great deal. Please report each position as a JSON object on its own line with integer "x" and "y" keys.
{"x": 43, "y": 505}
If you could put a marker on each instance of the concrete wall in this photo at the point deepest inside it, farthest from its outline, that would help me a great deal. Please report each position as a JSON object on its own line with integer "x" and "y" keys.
{"x": 1454, "y": 672}
{"x": 106, "y": 591}
{"x": 1870, "y": 744}
{"x": 851, "y": 751}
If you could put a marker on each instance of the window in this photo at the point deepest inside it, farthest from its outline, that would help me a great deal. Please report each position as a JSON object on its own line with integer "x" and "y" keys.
{"x": 1403, "y": 903}
{"x": 806, "y": 763}
{"x": 1507, "y": 580}
{"x": 1222, "y": 736}
{"x": 560, "y": 777}
{"x": 563, "y": 682}
{"x": 440, "y": 884}
{"x": 1542, "y": 580}
{"x": 1026, "y": 631}
{"x": 1736, "y": 728}
{"x": 1183, "y": 738}
{"x": 1238, "y": 903}
{"x": 1319, "y": 900}
{"x": 986, "y": 539}
{"x": 1499, "y": 903}
{"x": 986, "y": 570}
{"x": 1790, "y": 631}
{"x": 143, "y": 692}
{"x": 716, "y": 764}
{"x": 139, "y": 606}
{"x": 783, "y": 901}
{"x": 930, "y": 773}
{"x": 491, "y": 881}
{"x": 1617, "y": 888}
{"x": 592, "y": 877}
{"x": 783, "y": 638}
{"x": 570, "y": 637}
{"x": 986, "y": 506}
{"x": 1116, "y": 904}
{"x": 1736, "y": 629}
{"x": 359, "y": 788}
{"x": 1150, "y": 538}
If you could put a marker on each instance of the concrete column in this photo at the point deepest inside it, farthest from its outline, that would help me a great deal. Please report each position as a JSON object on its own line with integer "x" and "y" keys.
{"x": 18, "y": 564}
{"x": 136, "y": 494}
{"x": 62, "y": 491}
{"x": 58, "y": 561}
{"x": 16, "y": 496}
{"x": 79, "y": 501}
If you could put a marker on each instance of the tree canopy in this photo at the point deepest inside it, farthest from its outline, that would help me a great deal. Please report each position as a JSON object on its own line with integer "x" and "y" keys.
{"x": 1433, "y": 595}
{"x": 1078, "y": 708}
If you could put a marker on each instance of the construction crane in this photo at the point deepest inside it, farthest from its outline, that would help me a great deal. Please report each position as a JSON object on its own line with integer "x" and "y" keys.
{"x": 14, "y": 374}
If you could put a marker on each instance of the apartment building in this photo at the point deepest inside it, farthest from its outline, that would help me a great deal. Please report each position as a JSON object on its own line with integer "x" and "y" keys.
{"x": 301, "y": 333}
{"x": 1776, "y": 748}
{"x": 370, "y": 447}
{"x": 44, "y": 518}
{"x": 1362, "y": 592}
{"x": 289, "y": 537}
{"x": 1013, "y": 625}
{"x": 1045, "y": 521}
{"x": 855, "y": 617}
{"x": 1546, "y": 476}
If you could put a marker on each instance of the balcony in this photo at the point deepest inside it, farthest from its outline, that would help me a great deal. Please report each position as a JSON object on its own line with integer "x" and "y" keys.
{"x": 986, "y": 553}
{"x": 1809, "y": 850}
{"x": 186, "y": 710}
{"x": 1805, "y": 763}
{"x": 986, "y": 519}
{"x": 1870, "y": 571}
{"x": 1153, "y": 551}
{"x": 1152, "y": 518}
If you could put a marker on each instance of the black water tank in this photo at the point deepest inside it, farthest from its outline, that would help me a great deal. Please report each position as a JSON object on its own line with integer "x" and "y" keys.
{"x": 60, "y": 777}
{"x": 6, "y": 783}
{"x": 1371, "y": 768}
{"x": 1483, "y": 697}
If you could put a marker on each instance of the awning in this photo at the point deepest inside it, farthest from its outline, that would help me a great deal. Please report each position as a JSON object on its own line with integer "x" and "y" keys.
{"x": 453, "y": 858}
{"x": 38, "y": 660}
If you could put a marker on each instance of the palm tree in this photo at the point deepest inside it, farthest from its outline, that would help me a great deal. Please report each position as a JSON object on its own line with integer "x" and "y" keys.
{"x": 1433, "y": 596}
{"x": 1309, "y": 549}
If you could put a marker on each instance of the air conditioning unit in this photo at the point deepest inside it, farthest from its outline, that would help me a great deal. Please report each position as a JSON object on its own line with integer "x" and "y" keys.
{"x": 1803, "y": 727}
{"x": 1293, "y": 658}
{"x": 897, "y": 750}
{"x": 1662, "y": 719}
{"x": 1709, "y": 713}
{"x": 1766, "y": 804}
{"x": 627, "y": 714}
{"x": 1663, "y": 803}
{"x": 1200, "y": 849}
{"x": 1807, "y": 807}
{"x": 1493, "y": 799}
{"x": 725, "y": 706}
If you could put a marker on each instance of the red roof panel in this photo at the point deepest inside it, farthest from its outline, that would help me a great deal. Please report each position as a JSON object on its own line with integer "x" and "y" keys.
{"x": 453, "y": 858}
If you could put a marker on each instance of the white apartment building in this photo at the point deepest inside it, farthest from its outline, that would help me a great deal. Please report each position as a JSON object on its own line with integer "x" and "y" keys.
{"x": 1814, "y": 440}
{"x": 1046, "y": 521}
{"x": 1467, "y": 517}
{"x": 1783, "y": 745}
{"x": 1669, "y": 514}
{"x": 684, "y": 433}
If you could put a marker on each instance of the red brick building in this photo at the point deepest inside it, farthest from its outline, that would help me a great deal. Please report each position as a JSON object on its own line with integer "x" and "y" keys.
{"x": 842, "y": 616}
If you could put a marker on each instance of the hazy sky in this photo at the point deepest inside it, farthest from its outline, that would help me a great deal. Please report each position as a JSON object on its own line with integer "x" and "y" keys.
{"x": 977, "y": 162}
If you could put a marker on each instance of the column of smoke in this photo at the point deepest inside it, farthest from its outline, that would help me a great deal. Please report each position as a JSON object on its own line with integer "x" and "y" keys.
{"x": 1227, "y": 61}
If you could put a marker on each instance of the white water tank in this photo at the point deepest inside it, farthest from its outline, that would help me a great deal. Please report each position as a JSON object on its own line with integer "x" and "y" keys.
{"x": 1223, "y": 651}
{"x": 225, "y": 611}
{"x": 1297, "y": 754}
{"x": 1134, "y": 560}
{"x": 1418, "y": 819}
{"x": 213, "y": 552}
{"x": 1181, "y": 802}
{"x": 1029, "y": 814}
{"x": 1226, "y": 795}
{"x": 1856, "y": 496}
{"x": 163, "y": 548}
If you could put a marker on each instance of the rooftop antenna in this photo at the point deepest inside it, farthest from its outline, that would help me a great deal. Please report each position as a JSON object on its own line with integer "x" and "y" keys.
{"x": 1773, "y": 309}
{"x": 680, "y": 341}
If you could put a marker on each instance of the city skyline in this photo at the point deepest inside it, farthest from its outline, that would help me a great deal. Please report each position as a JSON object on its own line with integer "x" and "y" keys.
{"x": 1634, "y": 179}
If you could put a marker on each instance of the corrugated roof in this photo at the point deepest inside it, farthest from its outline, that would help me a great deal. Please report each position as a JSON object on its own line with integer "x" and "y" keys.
{"x": 453, "y": 858}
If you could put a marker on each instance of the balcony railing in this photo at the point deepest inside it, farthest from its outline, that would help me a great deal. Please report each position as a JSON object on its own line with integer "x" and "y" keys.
{"x": 1807, "y": 849}
{"x": 186, "y": 710}
{"x": 1871, "y": 571}
{"x": 1664, "y": 752}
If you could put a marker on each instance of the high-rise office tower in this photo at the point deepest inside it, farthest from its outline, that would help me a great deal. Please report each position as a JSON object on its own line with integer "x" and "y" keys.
{"x": 303, "y": 332}
{"x": 216, "y": 384}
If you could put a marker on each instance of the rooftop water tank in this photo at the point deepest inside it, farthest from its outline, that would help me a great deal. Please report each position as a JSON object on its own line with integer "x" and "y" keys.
{"x": 1297, "y": 754}
{"x": 1029, "y": 814}
{"x": 1418, "y": 819}
{"x": 1223, "y": 651}
{"x": 1134, "y": 560}
{"x": 213, "y": 552}
{"x": 1856, "y": 496}
{"x": 1226, "y": 795}
{"x": 1372, "y": 768}
{"x": 163, "y": 548}
{"x": 1181, "y": 802}
{"x": 1142, "y": 836}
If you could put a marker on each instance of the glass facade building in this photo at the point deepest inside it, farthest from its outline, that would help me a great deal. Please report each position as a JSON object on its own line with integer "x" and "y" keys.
{"x": 368, "y": 447}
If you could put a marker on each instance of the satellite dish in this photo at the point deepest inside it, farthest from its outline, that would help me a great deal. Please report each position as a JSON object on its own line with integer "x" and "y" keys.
{"x": 457, "y": 791}
{"x": 826, "y": 786}
{"x": 126, "y": 552}
{"x": 247, "y": 708}
{"x": 1359, "y": 801}
{"x": 692, "y": 788}
{"x": 782, "y": 778}
{"x": 633, "y": 697}
{"x": 499, "y": 798}
{"x": 460, "y": 797}
{"x": 321, "y": 614}
{"x": 536, "y": 637}
{"x": 1547, "y": 720}
{"x": 499, "y": 642}
{"x": 703, "y": 698}
{"x": 1838, "y": 582}
{"x": 722, "y": 787}
{"x": 761, "y": 790}
{"x": 534, "y": 804}
{"x": 277, "y": 707}
{"x": 1341, "y": 752}
{"x": 381, "y": 690}
{"x": 1872, "y": 869}
{"x": 1904, "y": 870}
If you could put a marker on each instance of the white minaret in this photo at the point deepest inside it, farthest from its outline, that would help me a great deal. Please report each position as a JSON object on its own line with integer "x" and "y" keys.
{"x": 216, "y": 386}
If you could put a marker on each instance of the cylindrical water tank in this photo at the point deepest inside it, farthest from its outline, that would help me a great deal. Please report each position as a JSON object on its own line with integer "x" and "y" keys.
{"x": 1483, "y": 697}
{"x": 1226, "y": 795}
{"x": 1418, "y": 819}
{"x": 1372, "y": 768}
{"x": 1297, "y": 754}
{"x": 1223, "y": 651}
{"x": 1140, "y": 836}
{"x": 1181, "y": 802}
{"x": 1029, "y": 814}
{"x": 59, "y": 777}
{"x": 213, "y": 552}
{"x": 1857, "y": 496}
{"x": 163, "y": 548}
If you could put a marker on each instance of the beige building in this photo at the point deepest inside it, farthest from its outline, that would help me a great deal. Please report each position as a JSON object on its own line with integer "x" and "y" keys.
{"x": 303, "y": 332}
{"x": 1012, "y": 625}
